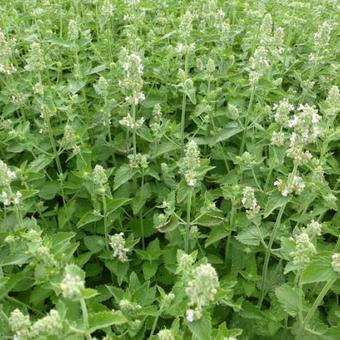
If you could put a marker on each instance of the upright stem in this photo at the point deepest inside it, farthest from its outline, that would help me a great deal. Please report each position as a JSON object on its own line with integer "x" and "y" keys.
{"x": 271, "y": 241}
{"x": 184, "y": 102}
{"x": 85, "y": 318}
{"x": 267, "y": 256}
{"x": 105, "y": 222}
{"x": 247, "y": 120}
{"x": 141, "y": 212}
{"x": 316, "y": 303}
{"x": 187, "y": 229}
{"x": 134, "y": 130}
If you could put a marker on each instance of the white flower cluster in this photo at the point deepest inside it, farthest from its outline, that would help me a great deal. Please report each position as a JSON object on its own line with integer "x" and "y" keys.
{"x": 99, "y": 175}
{"x": 117, "y": 243}
{"x": 7, "y": 47}
{"x": 295, "y": 185}
{"x": 71, "y": 286}
{"x": 201, "y": 289}
{"x": 259, "y": 64}
{"x": 191, "y": 164}
{"x": 131, "y": 123}
{"x": 107, "y": 8}
{"x": 249, "y": 202}
{"x": 50, "y": 325}
{"x": 35, "y": 61}
{"x": 133, "y": 81}
{"x": 165, "y": 334}
{"x": 73, "y": 30}
{"x": 323, "y": 36}
{"x": 101, "y": 86}
{"x": 336, "y": 262}
{"x": 20, "y": 324}
{"x": 138, "y": 161}
{"x": 333, "y": 101}
{"x": 8, "y": 198}
{"x": 156, "y": 123}
{"x": 184, "y": 262}
{"x": 303, "y": 126}
{"x": 304, "y": 249}
{"x": 273, "y": 40}
{"x": 127, "y": 306}
{"x": 6, "y": 174}
{"x": 184, "y": 46}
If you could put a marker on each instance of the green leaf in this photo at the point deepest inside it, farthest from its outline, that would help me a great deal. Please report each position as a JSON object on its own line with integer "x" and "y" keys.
{"x": 88, "y": 293}
{"x": 102, "y": 320}
{"x": 250, "y": 236}
{"x": 94, "y": 243}
{"x": 49, "y": 190}
{"x": 40, "y": 163}
{"x": 288, "y": 298}
{"x": 319, "y": 269}
{"x": 201, "y": 328}
{"x": 123, "y": 174}
{"x": 89, "y": 217}
{"x": 216, "y": 234}
{"x": 275, "y": 201}
{"x": 210, "y": 220}
{"x": 149, "y": 269}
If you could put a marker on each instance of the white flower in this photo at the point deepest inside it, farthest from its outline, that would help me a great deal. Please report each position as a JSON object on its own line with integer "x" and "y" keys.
{"x": 191, "y": 163}
{"x": 6, "y": 175}
{"x": 336, "y": 262}
{"x": 190, "y": 315}
{"x": 99, "y": 175}
{"x": 202, "y": 288}
{"x": 50, "y": 325}
{"x": 19, "y": 324}
{"x": 71, "y": 286}
{"x": 249, "y": 202}
{"x": 117, "y": 243}
{"x": 165, "y": 334}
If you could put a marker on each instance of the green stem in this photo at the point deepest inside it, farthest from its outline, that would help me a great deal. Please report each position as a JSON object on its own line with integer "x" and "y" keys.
{"x": 267, "y": 256}
{"x": 105, "y": 222}
{"x": 134, "y": 143}
{"x": 317, "y": 302}
{"x": 187, "y": 227}
{"x": 184, "y": 102}
{"x": 85, "y": 318}
{"x": 247, "y": 120}
{"x": 141, "y": 213}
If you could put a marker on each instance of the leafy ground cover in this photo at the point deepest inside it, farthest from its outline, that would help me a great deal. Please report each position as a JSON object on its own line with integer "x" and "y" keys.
{"x": 169, "y": 169}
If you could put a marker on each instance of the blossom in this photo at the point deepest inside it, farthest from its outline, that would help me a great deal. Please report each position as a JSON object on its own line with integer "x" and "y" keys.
{"x": 190, "y": 164}
{"x": 71, "y": 286}
{"x": 117, "y": 243}
{"x": 249, "y": 202}
{"x": 336, "y": 262}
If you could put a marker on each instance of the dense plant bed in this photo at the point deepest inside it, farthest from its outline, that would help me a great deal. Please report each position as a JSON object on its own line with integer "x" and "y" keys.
{"x": 169, "y": 169}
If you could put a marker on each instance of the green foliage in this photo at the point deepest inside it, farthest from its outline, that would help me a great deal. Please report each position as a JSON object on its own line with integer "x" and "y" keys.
{"x": 169, "y": 169}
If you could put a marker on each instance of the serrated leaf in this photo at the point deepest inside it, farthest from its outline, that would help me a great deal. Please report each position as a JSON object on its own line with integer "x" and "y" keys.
{"x": 249, "y": 237}
{"x": 319, "y": 269}
{"x": 201, "y": 328}
{"x": 94, "y": 243}
{"x": 40, "y": 163}
{"x": 275, "y": 201}
{"x": 87, "y": 218}
{"x": 102, "y": 320}
{"x": 123, "y": 174}
{"x": 288, "y": 298}
{"x": 217, "y": 234}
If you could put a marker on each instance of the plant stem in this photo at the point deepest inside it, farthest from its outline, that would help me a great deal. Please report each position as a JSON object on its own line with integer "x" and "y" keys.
{"x": 184, "y": 102}
{"x": 141, "y": 212}
{"x": 267, "y": 256}
{"x": 316, "y": 303}
{"x": 105, "y": 222}
{"x": 85, "y": 318}
{"x": 247, "y": 120}
{"x": 134, "y": 130}
{"x": 187, "y": 227}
